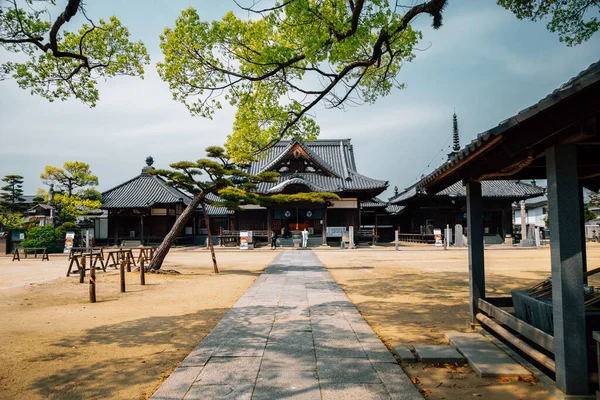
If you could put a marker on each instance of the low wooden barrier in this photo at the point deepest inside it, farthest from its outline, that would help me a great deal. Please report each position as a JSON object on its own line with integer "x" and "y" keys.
{"x": 78, "y": 261}
{"x": 416, "y": 238}
{"x": 24, "y": 250}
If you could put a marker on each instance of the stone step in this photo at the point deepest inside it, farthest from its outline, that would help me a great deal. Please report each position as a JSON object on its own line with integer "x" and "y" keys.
{"x": 484, "y": 357}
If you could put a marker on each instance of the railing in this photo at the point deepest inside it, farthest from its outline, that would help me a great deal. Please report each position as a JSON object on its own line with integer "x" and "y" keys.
{"x": 416, "y": 238}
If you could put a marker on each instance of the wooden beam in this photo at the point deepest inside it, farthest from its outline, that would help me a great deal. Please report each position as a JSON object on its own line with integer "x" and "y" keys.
{"x": 530, "y": 332}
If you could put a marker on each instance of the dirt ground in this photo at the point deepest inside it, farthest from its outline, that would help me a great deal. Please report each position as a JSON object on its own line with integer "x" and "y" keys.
{"x": 57, "y": 345}
{"x": 413, "y": 296}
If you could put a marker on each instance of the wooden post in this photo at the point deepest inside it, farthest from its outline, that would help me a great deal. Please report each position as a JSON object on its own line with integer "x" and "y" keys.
{"x": 92, "y": 284}
{"x": 476, "y": 257}
{"x": 122, "y": 273}
{"x": 566, "y": 258}
{"x": 396, "y": 239}
{"x": 269, "y": 228}
{"x": 325, "y": 225}
{"x": 82, "y": 269}
{"x": 128, "y": 262}
{"x": 142, "y": 272}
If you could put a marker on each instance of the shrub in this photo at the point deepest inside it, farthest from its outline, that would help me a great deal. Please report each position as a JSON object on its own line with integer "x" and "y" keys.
{"x": 43, "y": 236}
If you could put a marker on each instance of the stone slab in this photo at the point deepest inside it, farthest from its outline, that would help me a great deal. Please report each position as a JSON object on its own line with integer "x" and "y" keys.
{"x": 353, "y": 391}
{"x": 439, "y": 355}
{"x": 398, "y": 383}
{"x": 178, "y": 383}
{"x": 406, "y": 356}
{"x": 484, "y": 357}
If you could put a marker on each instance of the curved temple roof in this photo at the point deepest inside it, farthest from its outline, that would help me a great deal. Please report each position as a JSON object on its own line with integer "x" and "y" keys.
{"x": 334, "y": 157}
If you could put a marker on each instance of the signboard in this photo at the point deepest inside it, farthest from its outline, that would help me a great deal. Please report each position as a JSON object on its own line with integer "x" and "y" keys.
{"x": 69, "y": 237}
{"x": 437, "y": 234}
{"x": 336, "y": 231}
{"x": 243, "y": 240}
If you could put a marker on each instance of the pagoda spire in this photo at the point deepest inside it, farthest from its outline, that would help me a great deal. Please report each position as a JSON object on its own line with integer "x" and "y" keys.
{"x": 455, "y": 137}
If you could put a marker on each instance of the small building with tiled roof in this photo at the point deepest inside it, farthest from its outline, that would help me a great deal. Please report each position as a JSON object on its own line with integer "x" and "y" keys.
{"x": 145, "y": 208}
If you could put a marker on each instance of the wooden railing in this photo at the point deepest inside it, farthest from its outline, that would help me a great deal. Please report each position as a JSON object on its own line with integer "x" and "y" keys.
{"x": 416, "y": 238}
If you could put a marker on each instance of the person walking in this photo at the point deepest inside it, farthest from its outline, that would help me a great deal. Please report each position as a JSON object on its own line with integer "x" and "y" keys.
{"x": 274, "y": 240}
{"x": 304, "y": 238}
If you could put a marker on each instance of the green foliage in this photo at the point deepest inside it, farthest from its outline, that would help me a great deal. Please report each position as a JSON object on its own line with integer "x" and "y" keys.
{"x": 69, "y": 208}
{"x": 58, "y": 63}
{"x": 11, "y": 197}
{"x": 275, "y": 68}
{"x": 42, "y": 236}
{"x": 588, "y": 215}
{"x": 574, "y": 20}
{"x": 11, "y": 220}
{"x": 73, "y": 175}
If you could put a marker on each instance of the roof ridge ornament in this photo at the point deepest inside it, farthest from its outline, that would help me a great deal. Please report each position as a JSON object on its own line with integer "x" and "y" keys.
{"x": 148, "y": 167}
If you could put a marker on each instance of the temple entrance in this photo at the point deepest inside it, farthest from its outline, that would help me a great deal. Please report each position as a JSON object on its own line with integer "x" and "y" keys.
{"x": 289, "y": 219}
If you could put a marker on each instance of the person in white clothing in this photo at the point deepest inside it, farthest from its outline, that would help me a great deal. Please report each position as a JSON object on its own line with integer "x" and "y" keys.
{"x": 304, "y": 238}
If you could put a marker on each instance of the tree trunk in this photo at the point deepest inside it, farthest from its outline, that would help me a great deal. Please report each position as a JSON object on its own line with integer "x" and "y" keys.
{"x": 168, "y": 241}
{"x": 210, "y": 241}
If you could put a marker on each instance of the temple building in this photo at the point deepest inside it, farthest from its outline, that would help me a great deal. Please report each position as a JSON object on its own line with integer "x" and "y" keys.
{"x": 318, "y": 166}
{"x": 423, "y": 212}
{"x": 144, "y": 208}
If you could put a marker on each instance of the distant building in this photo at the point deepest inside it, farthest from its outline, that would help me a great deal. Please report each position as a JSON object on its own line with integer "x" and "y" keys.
{"x": 536, "y": 210}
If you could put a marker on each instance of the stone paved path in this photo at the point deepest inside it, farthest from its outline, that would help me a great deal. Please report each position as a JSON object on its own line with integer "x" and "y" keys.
{"x": 293, "y": 334}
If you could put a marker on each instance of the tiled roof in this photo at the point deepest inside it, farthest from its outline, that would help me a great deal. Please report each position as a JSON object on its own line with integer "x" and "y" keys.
{"x": 335, "y": 156}
{"x": 498, "y": 189}
{"x": 373, "y": 203}
{"x": 214, "y": 211}
{"x": 394, "y": 209}
{"x": 584, "y": 79}
{"x": 142, "y": 191}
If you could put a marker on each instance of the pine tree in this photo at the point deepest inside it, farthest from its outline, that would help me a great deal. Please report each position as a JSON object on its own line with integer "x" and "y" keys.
{"x": 11, "y": 197}
{"x": 455, "y": 137}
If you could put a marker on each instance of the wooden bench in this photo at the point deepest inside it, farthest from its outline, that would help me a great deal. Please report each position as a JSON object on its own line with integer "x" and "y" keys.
{"x": 24, "y": 250}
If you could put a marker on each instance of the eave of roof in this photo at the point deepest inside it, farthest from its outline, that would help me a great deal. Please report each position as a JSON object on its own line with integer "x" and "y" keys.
{"x": 493, "y": 189}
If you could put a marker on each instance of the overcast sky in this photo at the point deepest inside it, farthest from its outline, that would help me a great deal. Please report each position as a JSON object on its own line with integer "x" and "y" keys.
{"x": 483, "y": 62}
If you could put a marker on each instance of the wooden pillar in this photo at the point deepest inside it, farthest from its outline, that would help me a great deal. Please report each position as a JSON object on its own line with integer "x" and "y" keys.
{"x": 583, "y": 240}
{"x": 376, "y": 230}
{"x": 566, "y": 256}
{"x": 324, "y": 226}
{"x": 142, "y": 229}
{"x": 269, "y": 228}
{"x": 476, "y": 257}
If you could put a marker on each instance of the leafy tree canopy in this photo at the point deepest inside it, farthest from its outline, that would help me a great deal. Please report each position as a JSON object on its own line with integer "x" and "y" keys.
{"x": 276, "y": 66}
{"x": 11, "y": 220}
{"x": 73, "y": 175}
{"x": 575, "y": 21}
{"x": 63, "y": 63}
{"x": 70, "y": 208}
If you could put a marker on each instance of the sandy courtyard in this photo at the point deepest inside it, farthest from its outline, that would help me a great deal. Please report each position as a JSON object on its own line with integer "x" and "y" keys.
{"x": 56, "y": 345}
